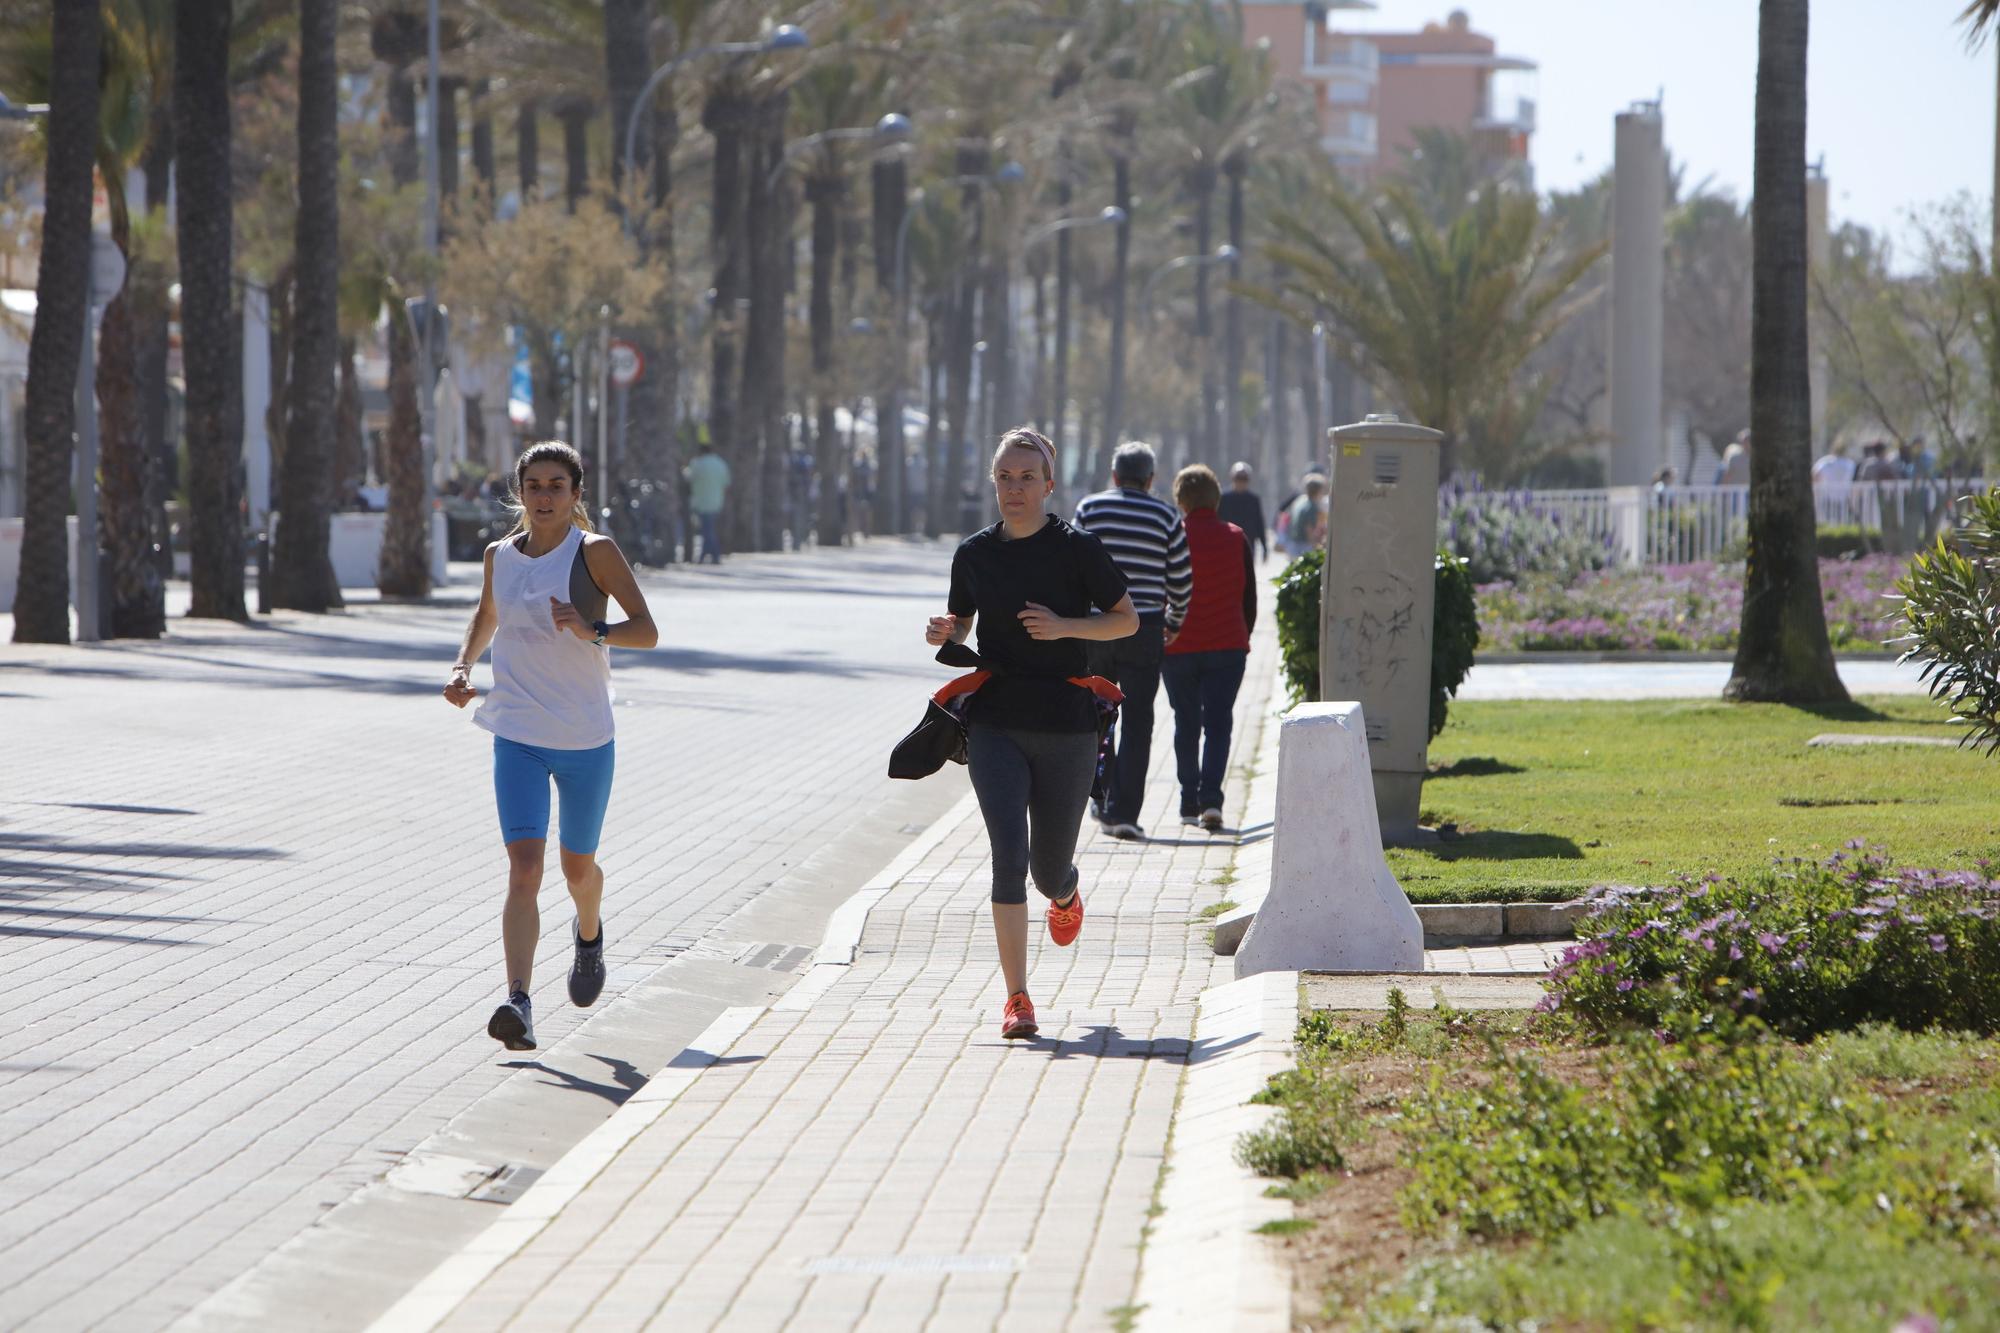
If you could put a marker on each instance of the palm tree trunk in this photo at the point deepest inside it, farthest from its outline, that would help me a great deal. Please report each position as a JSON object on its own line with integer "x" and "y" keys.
{"x": 350, "y": 448}
{"x": 726, "y": 116}
{"x": 1783, "y": 655}
{"x": 575, "y": 116}
{"x": 137, "y": 593}
{"x": 447, "y": 142}
{"x": 302, "y": 576}
{"x": 888, "y": 181}
{"x": 404, "y": 569}
{"x": 770, "y": 227}
{"x": 1204, "y": 332}
{"x": 1232, "y": 321}
{"x": 484, "y": 168}
{"x": 1272, "y": 462}
{"x": 163, "y": 470}
{"x": 823, "y": 192}
{"x": 528, "y": 150}
{"x": 947, "y": 500}
{"x": 647, "y": 421}
{"x": 1114, "y": 391}
{"x": 1059, "y": 375}
{"x": 211, "y": 337}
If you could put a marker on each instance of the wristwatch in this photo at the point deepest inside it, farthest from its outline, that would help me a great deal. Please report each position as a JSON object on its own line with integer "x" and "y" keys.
{"x": 602, "y": 629}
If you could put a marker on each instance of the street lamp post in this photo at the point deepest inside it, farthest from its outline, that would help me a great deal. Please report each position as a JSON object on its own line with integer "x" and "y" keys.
{"x": 1224, "y": 254}
{"x": 784, "y": 37}
{"x": 1109, "y": 216}
{"x": 889, "y": 131}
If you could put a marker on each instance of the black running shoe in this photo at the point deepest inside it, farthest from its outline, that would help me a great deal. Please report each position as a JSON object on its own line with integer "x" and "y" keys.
{"x": 513, "y": 1023}
{"x": 586, "y": 971}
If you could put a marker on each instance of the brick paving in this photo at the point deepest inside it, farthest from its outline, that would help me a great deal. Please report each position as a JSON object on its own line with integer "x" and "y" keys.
{"x": 249, "y": 889}
{"x": 882, "y": 1159}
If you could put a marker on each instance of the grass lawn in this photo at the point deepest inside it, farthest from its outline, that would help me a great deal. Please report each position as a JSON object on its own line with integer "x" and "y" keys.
{"x": 1552, "y": 798}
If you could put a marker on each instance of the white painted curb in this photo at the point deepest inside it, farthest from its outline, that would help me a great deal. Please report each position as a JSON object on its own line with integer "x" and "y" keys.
{"x": 1204, "y": 1268}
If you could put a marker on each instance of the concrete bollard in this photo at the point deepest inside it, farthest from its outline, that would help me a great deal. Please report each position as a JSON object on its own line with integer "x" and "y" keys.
{"x": 1333, "y": 905}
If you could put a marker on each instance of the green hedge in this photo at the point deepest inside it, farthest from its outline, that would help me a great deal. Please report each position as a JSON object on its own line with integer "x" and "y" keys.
{"x": 1454, "y": 629}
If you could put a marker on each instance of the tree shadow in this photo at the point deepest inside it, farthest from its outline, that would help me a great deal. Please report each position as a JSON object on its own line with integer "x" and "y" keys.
{"x": 193, "y": 851}
{"x": 96, "y": 936}
{"x": 1483, "y": 766}
{"x": 120, "y": 809}
{"x": 1854, "y": 712}
{"x": 1495, "y": 845}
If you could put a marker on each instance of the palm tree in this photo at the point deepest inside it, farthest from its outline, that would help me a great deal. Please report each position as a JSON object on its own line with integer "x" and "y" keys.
{"x": 396, "y": 37}
{"x": 1979, "y": 18}
{"x": 1783, "y": 654}
{"x": 41, "y": 602}
{"x": 1442, "y": 317}
{"x": 301, "y": 573}
{"x": 761, "y": 406}
{"x": 210, "y": 347}
{"x": 1215, "y": 111}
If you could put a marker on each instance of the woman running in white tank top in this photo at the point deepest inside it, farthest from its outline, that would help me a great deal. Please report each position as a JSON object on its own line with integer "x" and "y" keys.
{"x": 543, "y": 609}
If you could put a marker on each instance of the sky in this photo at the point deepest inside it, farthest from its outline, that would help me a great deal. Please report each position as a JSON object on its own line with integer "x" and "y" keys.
{"x": 1898, "y": 106}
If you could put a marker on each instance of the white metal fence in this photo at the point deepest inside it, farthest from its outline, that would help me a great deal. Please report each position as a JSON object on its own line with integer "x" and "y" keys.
{"x": 1668, "y": 525}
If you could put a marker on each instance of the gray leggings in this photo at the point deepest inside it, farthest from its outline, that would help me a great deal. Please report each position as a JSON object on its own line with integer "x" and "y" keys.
{"x": 1032, "y": 786}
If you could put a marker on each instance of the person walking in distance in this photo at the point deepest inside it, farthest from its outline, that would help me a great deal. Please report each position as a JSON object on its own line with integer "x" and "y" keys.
{"x": 1305, "y": 528}
{"x": 1204, "y": 663}
{"x": 1143, "y": 534}
{"x": 544, "y": 608}
{"x": 707, "y": 478}
{"x": 1031, "y": 583}
{"x": 1245, "y": 508}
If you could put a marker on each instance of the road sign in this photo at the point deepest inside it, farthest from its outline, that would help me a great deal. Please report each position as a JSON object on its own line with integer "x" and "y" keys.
{"x": 107, "y": 268}
{"x": 627, "y": 364}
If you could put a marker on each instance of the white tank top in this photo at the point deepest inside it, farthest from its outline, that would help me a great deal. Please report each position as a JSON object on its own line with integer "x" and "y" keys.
{"x": 550, "y": 688}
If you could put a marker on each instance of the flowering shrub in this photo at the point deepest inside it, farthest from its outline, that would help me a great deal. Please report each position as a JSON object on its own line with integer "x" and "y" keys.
{"x": 1504, "y": 540}
{"x": 1806, "y": 948}
{"x": 1676, "y": 607}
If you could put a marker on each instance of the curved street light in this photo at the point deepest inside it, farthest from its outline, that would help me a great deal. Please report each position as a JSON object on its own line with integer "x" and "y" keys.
{"x": 784, "y": 37}
{"x": 1110, "y": 215}
{"x": 888, "y": 132}
{"x": 1224, "y": 254}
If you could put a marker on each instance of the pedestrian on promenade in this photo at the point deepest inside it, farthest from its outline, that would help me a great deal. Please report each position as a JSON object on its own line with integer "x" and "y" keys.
{"x": 1305, "y": 527}
{"x": 1245, "y": 508}
{"x": 543, "y": 609}
{"x": 1143, "y": 535}
{"x": 1204, "y": 666}
{"x": 1031, "y": 583}
{"x": 707, "y": 478}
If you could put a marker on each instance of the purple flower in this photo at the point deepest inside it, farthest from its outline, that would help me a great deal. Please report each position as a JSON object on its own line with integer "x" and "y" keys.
{"x": 1937, "y": 944}
{"x": 1735, "y": 954}
{"x": 1626, "y": 985}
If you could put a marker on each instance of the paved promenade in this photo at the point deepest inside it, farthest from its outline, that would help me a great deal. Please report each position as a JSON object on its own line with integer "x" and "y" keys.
{"x": 249, "y": 895}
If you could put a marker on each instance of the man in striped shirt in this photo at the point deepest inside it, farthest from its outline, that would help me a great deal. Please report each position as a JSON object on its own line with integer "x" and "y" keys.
{"x": 1144, "y": 536}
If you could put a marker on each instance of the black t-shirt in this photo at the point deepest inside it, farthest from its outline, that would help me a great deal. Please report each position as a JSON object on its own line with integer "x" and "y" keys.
{"x": 1066, "y": 570}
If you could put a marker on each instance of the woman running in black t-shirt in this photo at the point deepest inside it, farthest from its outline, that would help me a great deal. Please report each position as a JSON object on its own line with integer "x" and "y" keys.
{"x": 1033, "y": 582}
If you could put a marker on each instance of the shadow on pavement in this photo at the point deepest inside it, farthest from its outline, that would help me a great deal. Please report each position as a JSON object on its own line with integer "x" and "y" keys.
{"x": 626, "y": 1078}
{"x": 195, "y": 851}
{"x": 101, "y": 936}
{"x": 1104, "y": 1041}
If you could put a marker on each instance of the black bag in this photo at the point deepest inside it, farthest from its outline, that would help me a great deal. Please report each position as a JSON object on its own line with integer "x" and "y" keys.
{"x": 940, "y": 737}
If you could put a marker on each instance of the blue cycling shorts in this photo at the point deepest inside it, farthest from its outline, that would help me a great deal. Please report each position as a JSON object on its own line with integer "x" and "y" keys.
{"x": 521, "y": 775}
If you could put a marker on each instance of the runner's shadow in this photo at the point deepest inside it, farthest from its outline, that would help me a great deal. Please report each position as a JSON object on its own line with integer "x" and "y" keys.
{"x": 626, "y": 1078}
{"x": 1104, "y": 1041}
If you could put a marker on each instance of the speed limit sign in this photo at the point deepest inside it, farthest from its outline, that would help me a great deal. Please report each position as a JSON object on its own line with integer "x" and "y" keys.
{"x": 627, "y": 364}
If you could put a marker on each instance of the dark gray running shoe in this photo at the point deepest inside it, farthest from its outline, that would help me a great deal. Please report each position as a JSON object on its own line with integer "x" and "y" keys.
{"x": 586, "y": 970}
{"x": 513, "y": 1023}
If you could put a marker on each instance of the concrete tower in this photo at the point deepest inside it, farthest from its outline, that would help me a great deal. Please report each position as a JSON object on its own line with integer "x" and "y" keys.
{"x": 1638, "y": 275}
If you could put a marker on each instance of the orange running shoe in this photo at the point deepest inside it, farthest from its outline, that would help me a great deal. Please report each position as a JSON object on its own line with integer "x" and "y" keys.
{"x": 1018, "y": 1019}
{"x": 1065, "y": 922}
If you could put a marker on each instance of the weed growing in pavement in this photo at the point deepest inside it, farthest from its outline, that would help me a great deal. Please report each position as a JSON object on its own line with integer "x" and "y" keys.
{"x": 1214, "y": 910}
{"x": 1125, "y": 1318}
{"x": 1285, "y": 1226}
{"x": 1806, "y": 948}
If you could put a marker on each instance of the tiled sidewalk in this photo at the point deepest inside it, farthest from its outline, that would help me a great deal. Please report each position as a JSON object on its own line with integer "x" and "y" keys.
{"x": 876, "y": 1156}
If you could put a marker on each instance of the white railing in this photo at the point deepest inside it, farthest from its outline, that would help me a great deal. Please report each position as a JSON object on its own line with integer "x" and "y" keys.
{"x": 1668, "y": 525}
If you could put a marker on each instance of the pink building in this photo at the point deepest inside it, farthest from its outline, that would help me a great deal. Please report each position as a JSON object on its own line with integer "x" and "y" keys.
{"x": 1373, "y": 90}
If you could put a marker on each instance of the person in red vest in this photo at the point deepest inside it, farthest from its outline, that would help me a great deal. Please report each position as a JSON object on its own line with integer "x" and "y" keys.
{"x": 1204, "y": 663}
